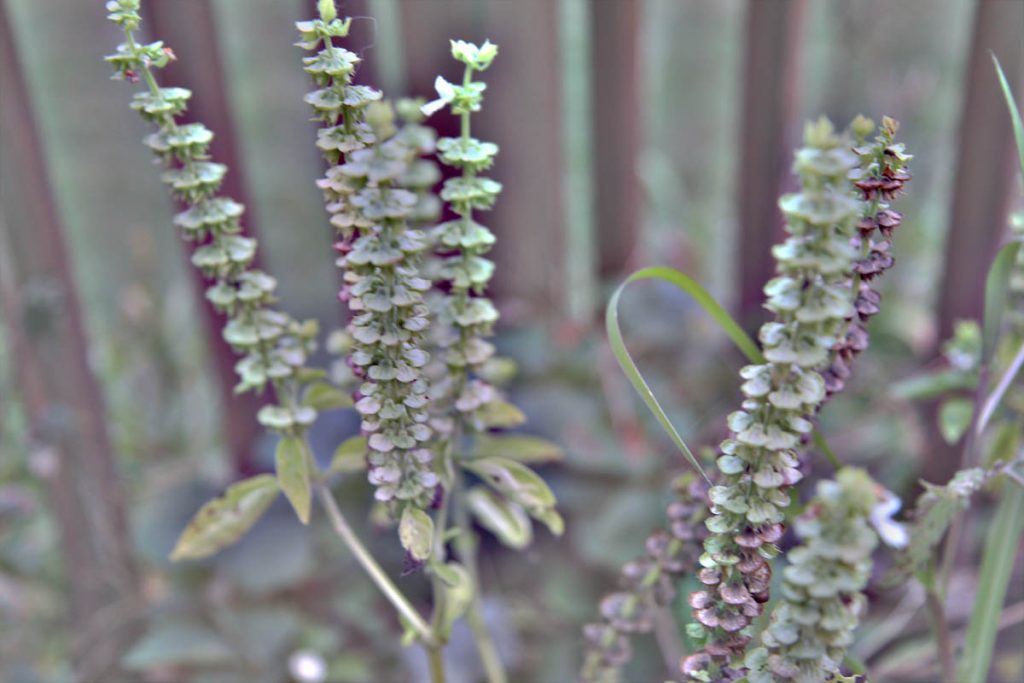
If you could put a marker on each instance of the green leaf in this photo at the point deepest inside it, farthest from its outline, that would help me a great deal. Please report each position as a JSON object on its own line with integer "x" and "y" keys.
{"x": 954, "y": 418}
{"x": 996, "y": 284}
{"x": 500, "y": 415}
{"x": 550, "y": 518}
{"x": 224, "y": 520}
{"x": 416, "y": 532}
{"x": 449, "y": 576}
{"x": 349, "y": 456}
{"x": 518, "y": 447}
{"x": 518, "y": 482}
{"x": 1015, "y": 119}
{"x": 933, "y": 513}
{"x": 1001, "y": 546}
{"x": 456, "y": 596}
{"x": 292, "y": 464}
{"x": 176, "y": 644}
{"x": 932, "y": 384}
{"x": 324, "y": 396}
{"x": 305, "y": 374}
{"x": 508, "y": 521}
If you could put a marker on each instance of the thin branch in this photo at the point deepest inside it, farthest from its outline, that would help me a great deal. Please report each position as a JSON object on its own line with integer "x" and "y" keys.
{"x": 374, "y": 570}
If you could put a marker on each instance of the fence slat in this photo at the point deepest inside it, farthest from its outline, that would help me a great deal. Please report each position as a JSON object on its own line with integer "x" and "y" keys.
{"x": 189, "y": 27}
{"x": 521, "y": 113}
{"x": 770, "y": 100}
{"x": 981, "y": 198}
{"x": 62, "y": 399}
{"x": 617, "y": 115}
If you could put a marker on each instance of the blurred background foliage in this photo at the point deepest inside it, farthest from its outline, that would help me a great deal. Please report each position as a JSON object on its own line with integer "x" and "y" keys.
{"x": 633, "y": 132}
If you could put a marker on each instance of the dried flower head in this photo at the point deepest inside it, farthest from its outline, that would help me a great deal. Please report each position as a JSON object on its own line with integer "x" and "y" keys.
{"x": 647, "y": 584}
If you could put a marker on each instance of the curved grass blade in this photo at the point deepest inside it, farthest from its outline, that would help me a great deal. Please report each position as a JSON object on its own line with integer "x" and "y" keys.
{"x": 1001, "y": 545}
{"x": 1015, "y": 119}
{"x": 732, "y": 329}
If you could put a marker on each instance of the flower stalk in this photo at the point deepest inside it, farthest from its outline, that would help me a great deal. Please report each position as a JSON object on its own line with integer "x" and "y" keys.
{"x": 274, "y": 347}
{"x": 816, "y": 296}
{"x": 380, "y": 257}
{"x": 647, "y": 584}
{"x": 822, "y": 599}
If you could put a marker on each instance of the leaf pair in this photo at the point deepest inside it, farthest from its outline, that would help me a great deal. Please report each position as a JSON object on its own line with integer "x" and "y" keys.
{"x": 521, "y": 486}
{"x": 224, "y": 520}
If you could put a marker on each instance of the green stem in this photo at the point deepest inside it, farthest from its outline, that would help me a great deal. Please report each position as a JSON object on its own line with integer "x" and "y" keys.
{"x": 439, "y": 554}
{"x": 375, "y": 572}
{"x": 436, "y": 665}
{"x": 943, "y": 639}
{"x": 146, "y": 73}
{"x": 485, "y": 645}
{"x": 467, "y": 78}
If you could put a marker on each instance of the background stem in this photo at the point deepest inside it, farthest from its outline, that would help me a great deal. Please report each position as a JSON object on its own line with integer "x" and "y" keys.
{"x": 436, "y": 655}
{"x": 466, "y": 545}
{"x": 943, "y": 640}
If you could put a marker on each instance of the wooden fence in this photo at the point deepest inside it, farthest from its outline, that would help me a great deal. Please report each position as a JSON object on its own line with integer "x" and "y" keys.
{"x": 570, "y": 106}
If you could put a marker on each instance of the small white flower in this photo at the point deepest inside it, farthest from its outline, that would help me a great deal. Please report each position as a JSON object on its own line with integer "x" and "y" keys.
{"x": 446, "y": 93}
{"x": 306, "y": 666}
{"x": 464, "y": 52}
{"x": 893, "y": 533}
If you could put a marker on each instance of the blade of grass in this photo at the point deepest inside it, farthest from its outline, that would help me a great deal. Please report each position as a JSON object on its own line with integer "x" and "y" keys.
{"x": 996, "y": 566}
{"x": 629, "y": 367}
{"x": 826, "y": 450}
{"x": 739, "y": 337}
{"x": 1015, "y": 119}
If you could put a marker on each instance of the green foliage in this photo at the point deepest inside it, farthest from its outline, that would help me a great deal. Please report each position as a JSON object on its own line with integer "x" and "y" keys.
{"x": 1001, "y": 545}
{"x": 177, "y": 644}
{"x": 416, "y": 531}
{"x": 293, "y": 464}
{"x": 224, "y": 520}
{"x": 457, "y": 593}
{"x": 954, "y": 418}
{"x": 1003, "y": 539}
{"x": 520, "y": 447}
{"x": 506, "y": 520}
{"x": 932, "y": 516}
{"x": 521, "y": 485}
{"x": 1015, "y": 118}
{"x": 349, "y": 456}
